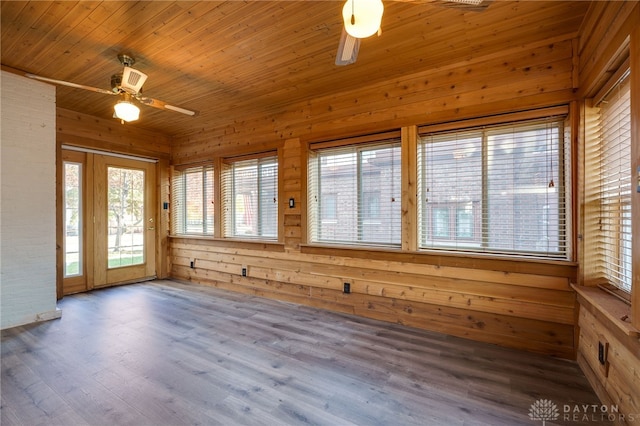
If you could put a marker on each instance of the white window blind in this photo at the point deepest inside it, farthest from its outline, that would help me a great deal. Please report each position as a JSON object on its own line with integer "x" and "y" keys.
{"x": 250, "y": 194}
{"x": 355, "y": 194}
{"x": 498, "y": 189}
{"x": 610, "y": 151}
{"x": 192, "y": 202}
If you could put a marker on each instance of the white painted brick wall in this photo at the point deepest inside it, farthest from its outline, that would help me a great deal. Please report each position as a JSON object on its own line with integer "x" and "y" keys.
{"x": 27, "y": 201}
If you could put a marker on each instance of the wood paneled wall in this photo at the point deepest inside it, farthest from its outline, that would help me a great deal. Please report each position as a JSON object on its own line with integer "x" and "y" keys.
{"x": 533, "y": 75}
{"x": 609, "y": 35}
{"x": 616, "y": 379}
{"x": 522, "y": 304}
{"x": 86, "y": 131}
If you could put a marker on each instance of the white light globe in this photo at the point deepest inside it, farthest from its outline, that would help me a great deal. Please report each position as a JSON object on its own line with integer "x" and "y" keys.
{"x": 367, "y": 16}
{"x": 127, "y": 111}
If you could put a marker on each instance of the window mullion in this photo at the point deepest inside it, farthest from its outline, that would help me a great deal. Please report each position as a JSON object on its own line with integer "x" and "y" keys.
{"x": 260, "y": 196}
{"x": 183, "y": 205}
{"x": 318, "y": 199}
{"x": 485, "y": 190}
{"x": 359, "y": 186}
{"x": 232, "y": 198}
{"x": 203, "y": 180}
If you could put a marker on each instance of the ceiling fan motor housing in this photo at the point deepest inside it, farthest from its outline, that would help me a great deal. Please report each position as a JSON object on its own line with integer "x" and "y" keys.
{"x": 116, "y": 82}
{"x": 126, "y": 60}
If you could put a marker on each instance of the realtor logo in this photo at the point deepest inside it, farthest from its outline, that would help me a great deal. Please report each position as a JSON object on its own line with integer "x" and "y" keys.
{"x": 544, "y": 409}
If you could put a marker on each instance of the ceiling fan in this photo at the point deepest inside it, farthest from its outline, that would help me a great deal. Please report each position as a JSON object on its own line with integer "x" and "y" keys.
{"x": 127, "y": 86}
{"x": 362, "y": 19}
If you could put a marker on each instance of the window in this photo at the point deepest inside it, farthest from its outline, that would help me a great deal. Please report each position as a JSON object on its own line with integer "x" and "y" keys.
{"x": 192, "y": 205}
{"x": 329, "y": 206}
{"x": 250, "y": 189}
{"x": 126, "y": 221}
{"x": 440, "y": 223}
{"x": 499, "y": 189}
{"x": 72, "y": 217}
{"x": 609, "y": 155}
{"x": 354, "y": 194}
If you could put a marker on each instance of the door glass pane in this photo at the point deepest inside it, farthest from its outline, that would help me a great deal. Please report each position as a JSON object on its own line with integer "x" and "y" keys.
{"x": 72, "y": 219}
{"x": 125, "y": 208}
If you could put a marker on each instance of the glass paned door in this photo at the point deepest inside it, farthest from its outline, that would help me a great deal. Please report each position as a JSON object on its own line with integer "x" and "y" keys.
{"x": 124, "y": 225}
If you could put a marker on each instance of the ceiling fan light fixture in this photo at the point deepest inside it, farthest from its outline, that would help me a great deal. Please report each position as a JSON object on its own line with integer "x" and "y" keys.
{"x": 362, "y": 18}
{"x": 125, "y": 110}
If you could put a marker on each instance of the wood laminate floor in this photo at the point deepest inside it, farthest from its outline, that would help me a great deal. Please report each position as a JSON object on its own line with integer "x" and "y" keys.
{"x": 167, "y": 353}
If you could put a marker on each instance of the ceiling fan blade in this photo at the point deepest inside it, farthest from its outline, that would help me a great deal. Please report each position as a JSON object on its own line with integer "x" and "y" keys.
{"x": 74, "y": 85}
{"x": 347, "y": 49}
{"x": 467, "y": 5}
{"x": 163, "y": 105}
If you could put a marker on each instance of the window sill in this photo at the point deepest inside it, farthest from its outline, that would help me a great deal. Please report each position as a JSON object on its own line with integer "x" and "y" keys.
{"x": 354, "y": 247}
{"x": 270, "y": 245}
{"x": 450, "y": 259}
{"x": 613, "y": 309}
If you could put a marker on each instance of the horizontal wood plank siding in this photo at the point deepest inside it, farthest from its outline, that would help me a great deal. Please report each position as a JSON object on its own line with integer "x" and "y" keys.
{"x": 82, "y": 130}
{"x": 617, "y": 382}
{"x": 605, "y": 34}
{"x": 533, "y": 76}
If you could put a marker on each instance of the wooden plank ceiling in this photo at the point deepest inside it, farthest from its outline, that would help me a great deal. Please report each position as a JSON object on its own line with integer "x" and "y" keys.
{"x": 227, "y": 59}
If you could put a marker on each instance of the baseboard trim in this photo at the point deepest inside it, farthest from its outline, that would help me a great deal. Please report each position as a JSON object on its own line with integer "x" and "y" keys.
{"x": 41, "y": 317}
{"x": 48, "y": 316}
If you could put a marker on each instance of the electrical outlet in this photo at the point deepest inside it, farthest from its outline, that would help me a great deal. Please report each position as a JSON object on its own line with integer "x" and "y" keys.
{"x": 244, "y": 271}
{"x": 192, "y": 264}
{"x": 346, "y": 288}
{"x": 603, "y": 355}
{"x": 602, "y": 352}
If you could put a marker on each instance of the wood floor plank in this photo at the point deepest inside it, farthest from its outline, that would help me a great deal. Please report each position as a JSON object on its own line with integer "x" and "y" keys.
{"x": 174, "y": 353}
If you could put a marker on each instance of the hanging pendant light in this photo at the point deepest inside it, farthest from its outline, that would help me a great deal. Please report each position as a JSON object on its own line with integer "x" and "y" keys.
{"x": 125, "y": 110}
{"x": 362, "y": 18}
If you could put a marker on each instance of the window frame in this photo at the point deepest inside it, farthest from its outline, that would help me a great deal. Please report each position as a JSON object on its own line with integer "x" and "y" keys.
{"x": 557, "y": 118}
{"x": 229, "y": 195}
{"x": 316, "y": 219}
{"x": 614, "y": 273}
{"x": 179, "y": 215}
